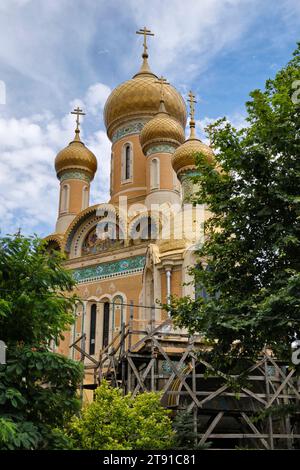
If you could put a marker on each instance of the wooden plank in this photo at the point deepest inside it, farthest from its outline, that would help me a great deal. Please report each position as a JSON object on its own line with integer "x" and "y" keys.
{"x": 143, "y": 377}
{"x": 281, "y": 387}
{"x": 173, "y": 375}
{"x": 254, "y": 395}
{"x": 143, "y": 340}
{"x": 283, "y": 376}
{"x": 211, "y": 427}
{"x": 104, "y": 351}
{"x": 136, "y": 373}
{"x": 214, "y": 394}
{"x": 86, "y": 355}
{"x": 181, "y": 377}
{"x": 255, "y": 430}
{"x": 269, "y": 418}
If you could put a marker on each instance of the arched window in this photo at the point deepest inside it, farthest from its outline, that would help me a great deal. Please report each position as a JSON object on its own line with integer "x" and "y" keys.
{"x": 85, "y": 197}
{"x": 105, "y": 335}
{"x": 93, "y": 329}
{"x": 64, "y": 204}
{"x": 154, "y": 174}
{"x": 127, "y": 162}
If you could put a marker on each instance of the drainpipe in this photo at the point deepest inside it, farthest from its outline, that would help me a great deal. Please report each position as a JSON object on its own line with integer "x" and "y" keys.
{"x": 168, "y": 278}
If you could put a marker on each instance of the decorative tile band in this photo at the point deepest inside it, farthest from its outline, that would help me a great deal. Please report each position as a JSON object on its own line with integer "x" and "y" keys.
{"x": 75, "y": 175}
{"x": 188, "y": 174}
{"x": 132, "y": 128}
{"x": 160, "y": 149}
{"x": 110, "y": 269}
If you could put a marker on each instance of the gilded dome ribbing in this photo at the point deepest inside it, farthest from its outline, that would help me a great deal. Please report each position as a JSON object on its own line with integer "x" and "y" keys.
{"x": 139, "y": 97}
{"x": 184, "y": 156}
{"x": 76, "y": 156}
{"x": 162, "y": 128}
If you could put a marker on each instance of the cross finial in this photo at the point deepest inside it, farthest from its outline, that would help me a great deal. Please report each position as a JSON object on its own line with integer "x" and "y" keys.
{"x": 192, "y": 101}
{"x": 162, "y": 81}
{"x": 78, "y": 113}
{"x": 145, "y": 32}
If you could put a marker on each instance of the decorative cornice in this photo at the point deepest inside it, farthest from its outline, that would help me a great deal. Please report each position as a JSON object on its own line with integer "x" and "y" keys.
{"x": 165, "y": 148}
{"x": 123, "y": 267}
{"x": 75, "y": 175}
{"x": 134, "y": 127}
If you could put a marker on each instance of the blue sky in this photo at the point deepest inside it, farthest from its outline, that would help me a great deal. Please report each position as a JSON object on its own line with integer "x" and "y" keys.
{"x": 60, "y": 53}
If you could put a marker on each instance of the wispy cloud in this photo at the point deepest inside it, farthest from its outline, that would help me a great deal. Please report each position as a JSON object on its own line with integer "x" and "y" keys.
{"x": 54, "y": 51}
{"x": 29, "y": 187}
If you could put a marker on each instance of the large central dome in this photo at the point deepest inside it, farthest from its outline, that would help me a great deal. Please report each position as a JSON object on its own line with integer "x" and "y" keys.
{"x": 139, "y": 97}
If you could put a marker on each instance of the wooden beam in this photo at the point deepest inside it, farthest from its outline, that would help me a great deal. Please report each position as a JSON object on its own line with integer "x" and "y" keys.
{"x": 181, "y": 377}
{"x": 211, "y": 427}
{"x": 255, "y": 430}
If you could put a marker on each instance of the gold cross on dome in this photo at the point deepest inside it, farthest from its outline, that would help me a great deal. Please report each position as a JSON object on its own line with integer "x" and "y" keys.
{"x": 146, "y": 32}
{"x": 192, "y": 101}
{"x": 78, "y": 113}
{"x": 162, "y": 81}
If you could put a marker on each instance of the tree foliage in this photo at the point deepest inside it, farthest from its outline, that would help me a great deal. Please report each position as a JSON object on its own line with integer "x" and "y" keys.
{"x": 37, "y": 387}
{"x": 118, "y": 422}
{"x": 186, "y": 437}
{"x": 252, "y": 243}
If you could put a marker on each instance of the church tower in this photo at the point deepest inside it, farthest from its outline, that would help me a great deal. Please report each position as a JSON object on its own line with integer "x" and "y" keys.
{"x": 184, "y": 157}
{"x": 75, "y": 167}
{"x": 159, "y": 139}
{"x": 129, "y": 107}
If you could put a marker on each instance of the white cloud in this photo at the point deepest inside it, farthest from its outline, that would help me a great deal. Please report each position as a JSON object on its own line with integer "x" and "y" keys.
{"x": 96, "y": 97}
{"x": 29, "y": 188}
{"x": 52, "y": 51}
{"x": 189, "y": 34}
{"x": 237, "y": 119}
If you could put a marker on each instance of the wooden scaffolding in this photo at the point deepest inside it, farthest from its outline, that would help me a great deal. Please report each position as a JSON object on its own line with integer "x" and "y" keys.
{"x": 155, "y": 356}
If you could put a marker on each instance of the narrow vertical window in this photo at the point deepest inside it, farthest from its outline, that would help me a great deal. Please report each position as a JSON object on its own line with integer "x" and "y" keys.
{"x": 105, "y": 324}
{"x": 65, "y": 198}
{"x": 85, "y": 197}
{"x": 127, "y": 162}
{"x": 154, "y": 174}
{"x": 93, "y": 329}
{"x": 111, "y": 173}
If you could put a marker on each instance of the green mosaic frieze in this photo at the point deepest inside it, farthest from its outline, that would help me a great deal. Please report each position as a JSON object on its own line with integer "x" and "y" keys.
{"x": 132, "y": 128}
{"x": 108, "y": 270}
{"x": 160, "y": 149}
{"x": 75, "y": 175}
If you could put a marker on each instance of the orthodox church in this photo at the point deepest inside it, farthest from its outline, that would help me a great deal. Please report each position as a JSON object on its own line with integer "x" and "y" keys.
{"x": 135, "y": 249}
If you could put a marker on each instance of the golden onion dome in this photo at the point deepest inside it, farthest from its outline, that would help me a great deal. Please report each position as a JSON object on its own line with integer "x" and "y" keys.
{"x": 138, "y": 98}
{"x": 76, "y": 156}
{"x": 184, "y": 156}
{"x": 162, "y": 128}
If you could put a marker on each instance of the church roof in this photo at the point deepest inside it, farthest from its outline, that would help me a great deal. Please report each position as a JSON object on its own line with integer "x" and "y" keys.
{"x": 139, "y": 97}
{"x": 76, "y": 156}
{"x": 161, "y": 128}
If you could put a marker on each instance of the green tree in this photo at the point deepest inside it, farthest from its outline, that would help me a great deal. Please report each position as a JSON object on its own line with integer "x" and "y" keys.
{"x": 186, "y": 437}
{"x": 118, "y": 422}
{"x": 252, "y": 243}
{"x": 37, "y": 387}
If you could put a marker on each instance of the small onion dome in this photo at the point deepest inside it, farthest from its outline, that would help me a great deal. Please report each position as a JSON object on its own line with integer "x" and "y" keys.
{"x": 183, "y": 158}
{"x": 76, "y": 156}
{"x": 138, "y": 97}
{"x": 162, "y": 128}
